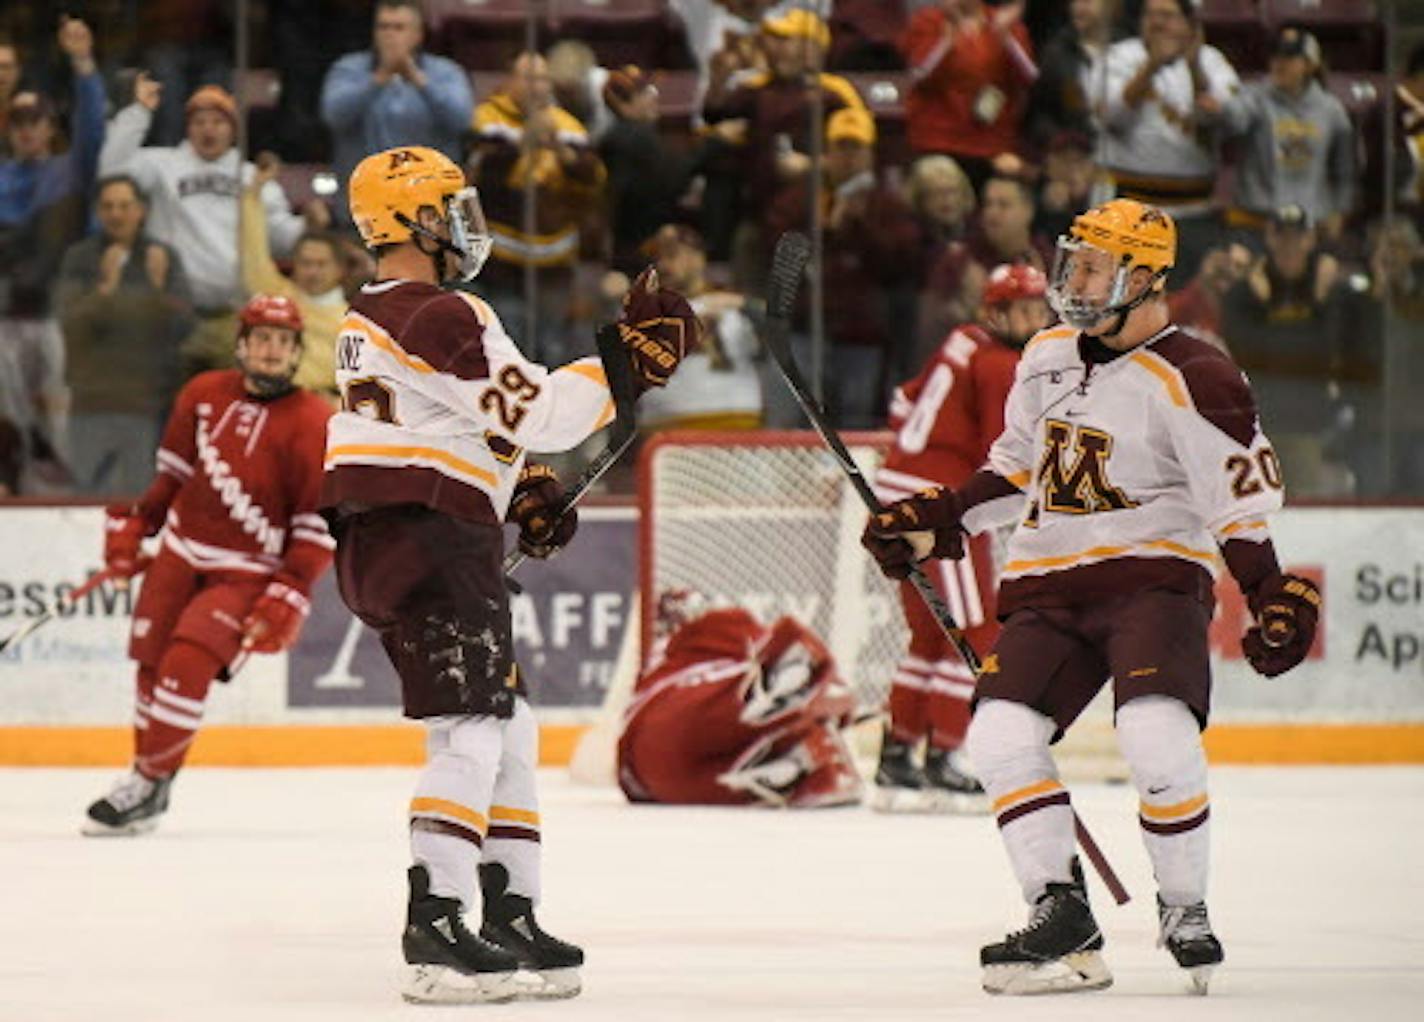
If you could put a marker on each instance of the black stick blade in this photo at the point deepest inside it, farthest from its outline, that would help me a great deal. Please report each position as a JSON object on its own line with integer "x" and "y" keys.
{"x": 788, "y": 265}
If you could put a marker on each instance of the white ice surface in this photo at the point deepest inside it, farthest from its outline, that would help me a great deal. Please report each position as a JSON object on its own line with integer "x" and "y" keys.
{"x": 277, "y": 895}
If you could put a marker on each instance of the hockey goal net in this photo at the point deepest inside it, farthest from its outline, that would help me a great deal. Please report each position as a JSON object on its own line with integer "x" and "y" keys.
{"x": 767, "y": 521}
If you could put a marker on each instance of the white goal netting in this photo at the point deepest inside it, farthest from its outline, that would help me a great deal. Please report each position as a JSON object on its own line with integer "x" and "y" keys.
{"x": 767, "y": 521}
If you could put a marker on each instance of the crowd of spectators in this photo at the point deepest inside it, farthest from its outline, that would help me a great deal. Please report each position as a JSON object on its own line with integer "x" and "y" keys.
{"x": 140, "y": 204}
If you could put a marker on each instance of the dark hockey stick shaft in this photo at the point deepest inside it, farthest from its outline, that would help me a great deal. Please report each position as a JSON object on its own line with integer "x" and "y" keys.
{"x": 66, "y": 601}
{"x": 788, "y": 265}
{"x": 620, "y": 437}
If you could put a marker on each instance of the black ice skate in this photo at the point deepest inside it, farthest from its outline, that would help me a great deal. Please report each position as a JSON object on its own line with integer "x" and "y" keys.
{"x": 509, "y": 923}
{"x": 133, "y": 807}
{"x": 1186, "y": 932}
{"x": 448, "y": 963}
{"x": 950, "y": 789}
{"x": 899, "y": 781}
{"x": 1058, "y": 952}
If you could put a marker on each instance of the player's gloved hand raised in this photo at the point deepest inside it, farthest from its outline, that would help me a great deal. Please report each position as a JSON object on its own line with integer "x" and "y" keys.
{"x": 1287, "y": 609}
{"x": 536, "y": 496}
{"x": 124, "y": 530}
{"x": 911, "y": 530}
{"x": 658, "y": 328}
{"x": 276, "y": 619}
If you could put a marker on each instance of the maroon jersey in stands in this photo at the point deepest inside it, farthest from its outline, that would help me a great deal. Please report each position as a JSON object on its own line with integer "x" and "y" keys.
{"x": 250, "y": 471}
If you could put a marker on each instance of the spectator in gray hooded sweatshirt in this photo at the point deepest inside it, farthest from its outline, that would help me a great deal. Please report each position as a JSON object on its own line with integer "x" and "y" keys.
{"x": 1298, "y": 146}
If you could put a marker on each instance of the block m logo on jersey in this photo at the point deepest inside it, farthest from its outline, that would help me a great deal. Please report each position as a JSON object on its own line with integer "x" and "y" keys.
{"x": 1073, "y": 472}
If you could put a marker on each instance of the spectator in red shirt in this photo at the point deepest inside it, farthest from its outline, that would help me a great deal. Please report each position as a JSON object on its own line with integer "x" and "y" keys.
{"x": 971, "y": 69}
{"x": 1198, "y": 305}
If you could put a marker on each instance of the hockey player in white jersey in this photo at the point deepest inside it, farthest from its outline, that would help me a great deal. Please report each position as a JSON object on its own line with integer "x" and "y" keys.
{"x": 1133, "y": 462}
{"x": 425, "y": 461}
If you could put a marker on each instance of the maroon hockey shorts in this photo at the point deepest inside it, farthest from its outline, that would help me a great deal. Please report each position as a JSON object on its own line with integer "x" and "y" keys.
{"x": 1055, "y": 659}
{"x": 177, "y": 601}
{"x": 432, "y": 586}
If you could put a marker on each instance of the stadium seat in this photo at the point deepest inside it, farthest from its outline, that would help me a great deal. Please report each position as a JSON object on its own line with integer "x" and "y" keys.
{"x": 621, "y": 31}
{"x": 1235, "y": 27}
{"x": 479, "y": 33}
{"x": 1351, "y": 32}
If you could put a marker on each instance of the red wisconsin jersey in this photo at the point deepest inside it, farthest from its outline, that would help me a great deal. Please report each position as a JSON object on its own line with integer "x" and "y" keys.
{"x": 948, "y": 416}
{"x": 250, "y": 471}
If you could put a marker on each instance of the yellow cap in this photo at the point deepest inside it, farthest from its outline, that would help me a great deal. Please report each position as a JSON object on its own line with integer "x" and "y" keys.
{"x": 798, "y": 23}
{"x": 851, "y": 123}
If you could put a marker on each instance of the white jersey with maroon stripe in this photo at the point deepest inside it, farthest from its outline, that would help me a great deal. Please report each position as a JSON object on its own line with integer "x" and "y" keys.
{"x": 439, "y": 406}
{"x": 1135, "y": 469}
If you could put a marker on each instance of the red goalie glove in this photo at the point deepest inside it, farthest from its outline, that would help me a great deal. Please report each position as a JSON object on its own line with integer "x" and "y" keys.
{"x": 911, "y": 530}
{"x": 1288, "y": 609}
{"x": 658, "y": 328}
{"x": 276, "y": 619}
{"x": 536, "y": 496}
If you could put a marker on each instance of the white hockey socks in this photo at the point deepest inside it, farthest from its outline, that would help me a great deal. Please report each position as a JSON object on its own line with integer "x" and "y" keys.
{"x": 1161, "y": 742}
{"x": 514, "y": 832}
{"x": 449, "y": 815}
{"x": 1008, "y": 745}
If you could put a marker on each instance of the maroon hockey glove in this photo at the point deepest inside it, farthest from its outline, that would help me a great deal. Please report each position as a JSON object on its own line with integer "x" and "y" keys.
{"x": 124, "y": 530}
{"x": 658, "y": 328}
{"x": 276, "y": 619}
{"x": 536, "y": 496}
{"x": 909, "y": 531}
{"x": 1287, "y": 609}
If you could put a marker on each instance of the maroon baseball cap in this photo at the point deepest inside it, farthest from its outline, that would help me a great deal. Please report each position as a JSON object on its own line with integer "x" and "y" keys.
{"x": 28, "y": 106}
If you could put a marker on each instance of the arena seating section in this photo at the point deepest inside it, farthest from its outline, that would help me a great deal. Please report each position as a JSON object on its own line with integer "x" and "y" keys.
{"x": 485, "y": 35}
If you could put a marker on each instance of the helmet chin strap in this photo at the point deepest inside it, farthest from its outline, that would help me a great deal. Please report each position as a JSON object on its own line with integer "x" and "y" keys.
{"x": 1125, "y": 309}
{"x": 442, "y": 245}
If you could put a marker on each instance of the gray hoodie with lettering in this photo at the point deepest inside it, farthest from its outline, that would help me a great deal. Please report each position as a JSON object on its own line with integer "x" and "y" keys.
{"x": 1296, "y": 150}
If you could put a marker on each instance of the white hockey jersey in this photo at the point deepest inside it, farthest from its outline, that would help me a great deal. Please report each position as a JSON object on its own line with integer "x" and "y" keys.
{"x": 439, "y": 406}
{"x": 1133, "y": 470}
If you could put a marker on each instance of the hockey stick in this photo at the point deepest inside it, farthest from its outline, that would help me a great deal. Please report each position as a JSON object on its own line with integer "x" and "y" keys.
{"x": 63, "y": 603}
{"x": 620, "y": 436}
{"x": 788, "y": 266}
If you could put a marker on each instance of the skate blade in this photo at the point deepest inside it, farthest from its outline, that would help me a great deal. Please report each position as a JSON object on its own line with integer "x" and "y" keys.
{"x": 897, "y": 800}
{"x": 440, "y": 984}
{"x": 93, "y": 828}
{"x": 1075, "y": 973}
{"x": 953, "y": 803}
{"x": 547, "y": 984}
{"x": 1201, "y": 978}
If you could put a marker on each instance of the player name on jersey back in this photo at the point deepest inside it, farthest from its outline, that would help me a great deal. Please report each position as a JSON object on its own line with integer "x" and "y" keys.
{"x": 439, "y": 406}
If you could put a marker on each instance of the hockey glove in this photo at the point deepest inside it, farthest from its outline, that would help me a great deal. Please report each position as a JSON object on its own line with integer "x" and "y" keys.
{"x": 536, "y": 496}
{"x": 1287, "y": 609}
{"x": 124, "y": 530}
{"x": 658, "y": 328}
{"x": 909, "y": 531}
{"x": 276, "y": 619}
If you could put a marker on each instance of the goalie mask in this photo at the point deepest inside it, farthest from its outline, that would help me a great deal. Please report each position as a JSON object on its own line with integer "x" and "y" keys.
{"x": 417, "y": 194}
{"x": 1094, "y": 263}
{"x": 269, "y": 344}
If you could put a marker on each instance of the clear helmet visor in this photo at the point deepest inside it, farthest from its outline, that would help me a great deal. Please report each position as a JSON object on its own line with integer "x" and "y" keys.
{"x": 468, "y": 231}
{"x": 1087, "y": 283}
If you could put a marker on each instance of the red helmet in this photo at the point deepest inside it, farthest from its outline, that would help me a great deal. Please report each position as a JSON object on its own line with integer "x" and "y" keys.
{"x": 1008, "y": 282}
{"x": 270, "y": 310}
